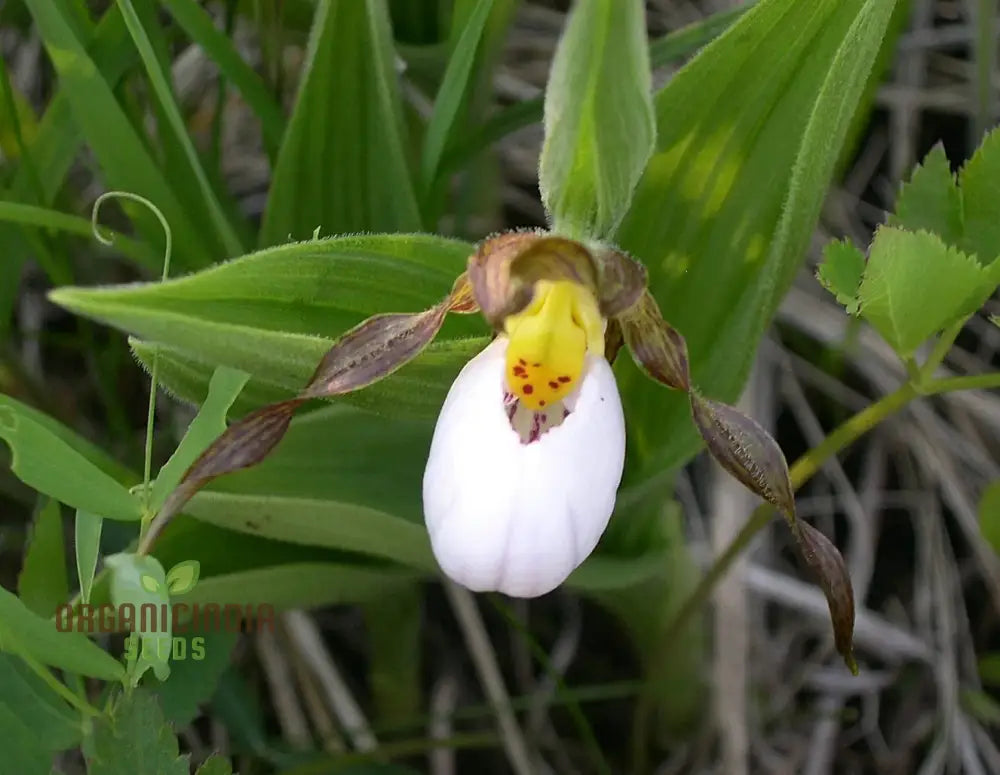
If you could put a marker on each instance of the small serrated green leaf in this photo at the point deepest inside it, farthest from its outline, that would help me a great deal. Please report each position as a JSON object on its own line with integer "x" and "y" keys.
{"x": 841, "y": 271}
{"x": 930, "y": 200}
{"x": 43, "y": 583}
{"x": 183, "y": 576}
{"x": 133, "y": 738}
{"x": 989, "y": 516}
{"x": 915, "y": 285}
{"x": 980, "y": 182}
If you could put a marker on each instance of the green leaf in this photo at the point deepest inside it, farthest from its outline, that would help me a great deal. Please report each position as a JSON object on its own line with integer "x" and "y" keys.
{"x": 207, "y": 425}
{"x": 208, "y": 201}
{"x": 216, "y": 764}
{"x": 194, "y": 678}
{"x": 140, "y": 581}
{"x": 80, "y": 445}
{"x": 134, "y": 738}
{"x": 980, "y": 183}
{"x": 121, "y": 152}
{"x": 43, "y": 582}
{"x": 416, "y": 391}
{"x": 329, "y": 523}
{"x": 360, "y": 180}
{"x": 599, "y": 123}
{"x": 931, "y": 201}
{"x": 39, "y": 708}
{"x": 841, "y": 271}
{"x": 453, "y": 92}
{"x": 274, "y": 314}
{"x": 58, "y": 140}
{"x": 30, "y": 215}
{"x": 196, "y": 22}
{"x": 23, "y": 631}
{"x": 87, "y": 529}
{"x": 296, "y": 585}
{"x": 989, "y": 515}
{"x": 915, "y": 285}
{"x": 25, "y": 752}
{"x": 670, "y": 48}
{"x": 748, "y": 134}
{"x": 46, "y": 463}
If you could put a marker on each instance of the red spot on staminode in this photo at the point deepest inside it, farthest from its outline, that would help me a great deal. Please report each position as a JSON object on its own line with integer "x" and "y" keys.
{"x": 541, "y": 403}
{"x": 519, "y": 371}
{"x": 553, "y": 384}
{"x": 522, "y": 361}
{"x": 564, "y": 380}
{"x": 536, "y": 365}
{"x": 528, "y": 390}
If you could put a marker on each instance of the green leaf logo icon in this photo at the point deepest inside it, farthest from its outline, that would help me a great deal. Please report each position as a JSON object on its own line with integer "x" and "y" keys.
{"x": 183, "y": 576}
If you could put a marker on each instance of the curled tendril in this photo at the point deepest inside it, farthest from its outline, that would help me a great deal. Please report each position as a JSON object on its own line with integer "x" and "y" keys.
{"x": 105, "y": 239}
{"x": 108, "y": 238}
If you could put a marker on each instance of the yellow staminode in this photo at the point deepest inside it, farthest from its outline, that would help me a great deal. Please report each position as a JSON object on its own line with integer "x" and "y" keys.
{"x": 548, "y": 342}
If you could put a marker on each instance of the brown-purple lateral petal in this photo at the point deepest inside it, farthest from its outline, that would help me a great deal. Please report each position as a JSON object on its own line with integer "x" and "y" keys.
{"x": 745, "y": 450}
{"x": 656, "y": 346}
{"x": 373, "y": 350}
{"x": 367, "y": 353}
{"x": 828, "y": 564}
{"x": 242, "y": 445}
{"x": 621, "y": 281}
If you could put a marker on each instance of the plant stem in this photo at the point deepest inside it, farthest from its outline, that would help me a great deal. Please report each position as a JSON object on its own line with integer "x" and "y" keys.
{"x": 941, "y": 348}
{"x": 57, "y": 686}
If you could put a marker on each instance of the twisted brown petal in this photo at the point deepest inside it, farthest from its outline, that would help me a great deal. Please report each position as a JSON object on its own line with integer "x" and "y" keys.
{"x": 622, "y": 281}
{"x": 656, "y": 346}
{"x": 831, "y": 570}
{"x": 745, "y": 450}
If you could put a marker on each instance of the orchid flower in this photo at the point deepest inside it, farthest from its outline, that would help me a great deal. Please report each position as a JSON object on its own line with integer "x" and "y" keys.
{"x": 529, "y": 446}
{"x": 528, "y": 450}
